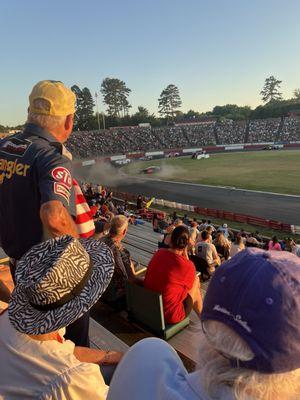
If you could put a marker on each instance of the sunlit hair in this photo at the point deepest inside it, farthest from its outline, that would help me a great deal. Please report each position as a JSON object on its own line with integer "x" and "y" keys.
{"x": 178, "y": 222}
{"x": 117, "y": 225}
{"x": 215, "y": 368}
{"x": 221, "y": 240}
{"x": 180, "y": 237}
{"x": 47, "y": 122}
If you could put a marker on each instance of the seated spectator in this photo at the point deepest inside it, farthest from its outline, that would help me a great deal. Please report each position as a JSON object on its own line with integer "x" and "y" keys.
{"x": 140, "y": 203}
{"x": 171, "y": 273}
{"x": 222, "y": 245}
{"x": 292, "y": 247}
{"x": 210, "y": 230}
{"x": 101, "y": 229}
{"x": 251, "y": 241}
{"x": 274, "y": 244}
{"x": 258, "y": 236}
{"x": 155, "y": 222}
{"x": 174, "y": 216}
{"x": 209, "y": 224}
{"x": 124, "y": 267}
{"x": 237, "y": 246}
{"x": 203, "y": 225}
{"x": 206, "y": 250}
{"x": 224, "y": 229}
{"x": 58, "y": 281}
{"x": 193, "y": 236}
{"x": 241, "y": 355}
{"x": 186, "y": 220}
{"x": 169, "y": 230}
{"x": 243, "y": 235}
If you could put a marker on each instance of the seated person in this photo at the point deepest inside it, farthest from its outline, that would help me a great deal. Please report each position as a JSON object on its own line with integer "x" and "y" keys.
{"x": 237, "y": 246}
{"x": 171, "y": 273}
{"x": 101, "y": 229}
{"x": 258, "y": 236}
{"x": 167, "y": 236}
{"x": 155, "y": 222}
{"x": 124, "y": 267}
{"x": 251, "y": 241}
{"x": 241, "y": 356}
{"x": 222, "y": 245}
{"x": 274, "y": 244}
{"x": 193, "y": 236}
{"x": 58, "y": 281}
{"x": 140, "y": 203}
{"x": 292, "y": 247}
{"x": 206, "y": 250}
{"x": 210, "y": 230}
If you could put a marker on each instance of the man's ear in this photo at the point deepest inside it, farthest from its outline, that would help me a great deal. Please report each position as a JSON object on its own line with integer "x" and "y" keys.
{"x": 69, "y": 122}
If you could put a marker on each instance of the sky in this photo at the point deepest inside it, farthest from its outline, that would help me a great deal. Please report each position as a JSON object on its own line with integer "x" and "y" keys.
{"x": 216, "y": 51}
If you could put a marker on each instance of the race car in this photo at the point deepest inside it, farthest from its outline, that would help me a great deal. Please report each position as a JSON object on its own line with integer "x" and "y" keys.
{"x": 172, "y": 154}
{"x": 122, "y": 161}
{"x": 151, "y": 170}
{"x": 272, "y": 147}
{"x": 198, "y": 155}
{"x": 145, "y": 158}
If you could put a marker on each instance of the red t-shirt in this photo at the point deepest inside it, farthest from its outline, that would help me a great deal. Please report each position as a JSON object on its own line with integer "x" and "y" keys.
{"x": 173, "y": 276}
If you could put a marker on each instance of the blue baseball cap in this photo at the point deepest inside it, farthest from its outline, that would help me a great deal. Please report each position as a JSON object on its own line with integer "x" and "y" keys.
{"x": 257, "y": 295}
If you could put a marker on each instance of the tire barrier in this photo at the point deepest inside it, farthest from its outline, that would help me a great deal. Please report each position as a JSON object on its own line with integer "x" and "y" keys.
{"x": 221, "y": 214}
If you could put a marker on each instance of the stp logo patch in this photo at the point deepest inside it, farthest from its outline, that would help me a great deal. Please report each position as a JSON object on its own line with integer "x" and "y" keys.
{"x": 62, "y": 175}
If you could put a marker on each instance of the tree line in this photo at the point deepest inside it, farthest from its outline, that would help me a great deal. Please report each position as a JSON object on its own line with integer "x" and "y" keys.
{"x": 115, "y": 94}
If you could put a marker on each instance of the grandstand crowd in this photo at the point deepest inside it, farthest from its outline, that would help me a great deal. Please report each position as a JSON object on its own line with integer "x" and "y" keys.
{"x": 122, "y": 140}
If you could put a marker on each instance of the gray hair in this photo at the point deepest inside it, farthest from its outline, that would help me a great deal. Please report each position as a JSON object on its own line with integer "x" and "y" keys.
{"x": 118, "y": 224}
{"x": 247, "y": 384}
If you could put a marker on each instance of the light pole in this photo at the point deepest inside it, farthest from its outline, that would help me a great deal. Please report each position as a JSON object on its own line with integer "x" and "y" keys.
{"x": 96, "y": 96}
{"x": 103, "y": 119}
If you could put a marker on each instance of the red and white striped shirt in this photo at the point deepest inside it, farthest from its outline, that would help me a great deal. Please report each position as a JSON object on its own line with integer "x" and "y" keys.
{"x": 84, "y": 218}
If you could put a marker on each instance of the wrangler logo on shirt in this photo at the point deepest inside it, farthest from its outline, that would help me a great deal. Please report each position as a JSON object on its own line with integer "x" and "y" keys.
{"x": 10, "y": 168}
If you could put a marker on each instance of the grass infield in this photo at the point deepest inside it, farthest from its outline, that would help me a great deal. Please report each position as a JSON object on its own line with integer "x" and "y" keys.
{"x": 269, "y": 171}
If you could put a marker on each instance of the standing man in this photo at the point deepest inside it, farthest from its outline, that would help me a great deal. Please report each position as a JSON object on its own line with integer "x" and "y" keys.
{"x": 36, "y": 193}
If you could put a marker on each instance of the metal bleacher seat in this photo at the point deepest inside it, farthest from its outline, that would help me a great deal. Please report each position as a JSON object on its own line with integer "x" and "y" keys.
{"x": 146, "y": 307}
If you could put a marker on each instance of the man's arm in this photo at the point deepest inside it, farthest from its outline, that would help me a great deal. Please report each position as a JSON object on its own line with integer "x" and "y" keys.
{"x": 56, "y": 219}
{"x": 100, "y": 357}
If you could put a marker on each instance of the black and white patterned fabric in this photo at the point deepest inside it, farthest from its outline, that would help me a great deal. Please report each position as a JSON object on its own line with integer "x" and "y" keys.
{"x": 53, "y": 271}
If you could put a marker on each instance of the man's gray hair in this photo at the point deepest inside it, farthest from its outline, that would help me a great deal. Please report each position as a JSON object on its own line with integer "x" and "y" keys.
{"x": 118, "y": 224}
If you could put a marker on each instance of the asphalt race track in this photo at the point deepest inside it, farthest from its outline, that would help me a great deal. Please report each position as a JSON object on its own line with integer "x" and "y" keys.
{"x": 282, "y": 208}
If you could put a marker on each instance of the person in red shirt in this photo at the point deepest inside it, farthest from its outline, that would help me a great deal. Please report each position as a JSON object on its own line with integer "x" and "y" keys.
{"x": 171, "y": 273}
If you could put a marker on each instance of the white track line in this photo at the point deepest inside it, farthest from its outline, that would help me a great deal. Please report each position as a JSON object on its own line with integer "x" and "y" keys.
{"x": 221, "y": 187}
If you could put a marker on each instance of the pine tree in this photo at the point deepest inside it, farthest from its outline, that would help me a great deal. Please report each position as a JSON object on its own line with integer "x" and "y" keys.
{"x": 84, "y": 108}
{"x": 270, "y": 91}
{"x": 169, "y": 101}
{"x": 115, "y": 94}
{"x": 297, "y": 94}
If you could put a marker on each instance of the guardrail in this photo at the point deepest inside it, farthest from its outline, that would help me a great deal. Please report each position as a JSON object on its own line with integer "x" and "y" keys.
{"x": 221, "y": 214}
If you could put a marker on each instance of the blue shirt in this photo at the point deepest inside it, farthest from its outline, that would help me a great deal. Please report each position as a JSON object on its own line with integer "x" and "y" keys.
{"x": 34, "y": 169}
{"x": 151, "y": 370}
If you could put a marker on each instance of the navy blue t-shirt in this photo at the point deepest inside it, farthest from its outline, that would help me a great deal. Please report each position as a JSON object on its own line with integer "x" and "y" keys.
{"x": 34, "y": 169}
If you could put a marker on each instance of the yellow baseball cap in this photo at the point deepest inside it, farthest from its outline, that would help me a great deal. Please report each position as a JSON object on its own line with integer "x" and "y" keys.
{"x": 52, "y": 98}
